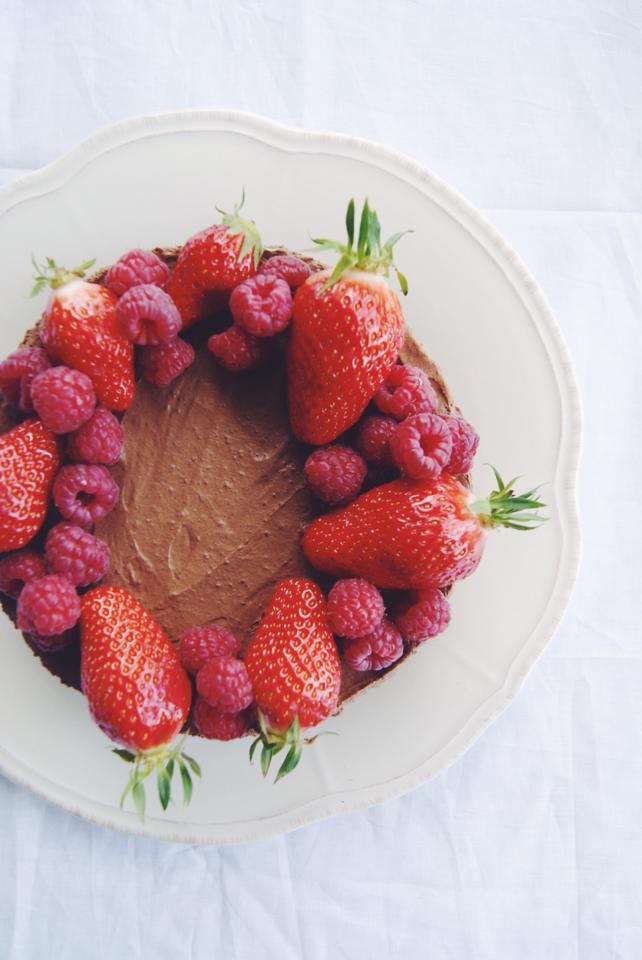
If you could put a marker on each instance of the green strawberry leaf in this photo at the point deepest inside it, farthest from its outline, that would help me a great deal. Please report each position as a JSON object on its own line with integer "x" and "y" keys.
{"x": 403, "y": 283}
{"x": 374, "y": 233}
{"x": 194, "y": 765}
{"x": 291, "y": 761}
{"x": 364, "y": 226}
{"x": 266, "y": 758}
{"x": 164, "y": 788}
{"x": 188, "y": 786}
{"x": 253, "y": 747}
{"x": 324, "y": 244}
{"x": 294, "y": 731}
{"x": 344, "y": 263}
{"x": 350, "y": 223}
{"x": 125, "y": 755}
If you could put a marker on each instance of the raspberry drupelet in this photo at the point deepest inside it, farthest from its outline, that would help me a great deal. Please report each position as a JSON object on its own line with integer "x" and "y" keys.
{"x": 287, "y": 267}
{"x": 406, "y": 391}
{"x": 335, "y": 473}
{"x": 236, "y": 350}
{"x": 163, "y": 363}
{"x": 135, "y": 268}
{"x": 17, "y": 373}
{"x": 377, "y": 650}
{"x": 426, "y": 615}
{"x": 84, "y": 493}
{"x": 199, "y": 644}
{"x": 147, "y": 316}
{"x": 355, "y": 608}
{"x": 421, "y": 446}
{"x": 262, "y": 305}
{"x": 99, "y": 440}
{"x": 48, "y": 606}
{"x": 19, "y": 568}
{"x": 373, "y": 438}
{"x": 76, "y": 554}
{"x": 212, "y": 723}
{"x": 465, "y": 441}
{"x": 224, "y": 683}
{"x": 63, "y": 398}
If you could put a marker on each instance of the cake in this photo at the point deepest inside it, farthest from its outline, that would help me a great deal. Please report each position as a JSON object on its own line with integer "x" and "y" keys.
{"x": 213, "y": 497}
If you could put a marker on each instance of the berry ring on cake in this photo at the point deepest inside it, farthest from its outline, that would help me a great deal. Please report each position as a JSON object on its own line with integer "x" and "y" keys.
{"x": 234, "y": 491}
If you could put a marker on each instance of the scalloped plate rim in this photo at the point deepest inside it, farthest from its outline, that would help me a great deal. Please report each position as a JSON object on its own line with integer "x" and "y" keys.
{"x": 59, "y": 171}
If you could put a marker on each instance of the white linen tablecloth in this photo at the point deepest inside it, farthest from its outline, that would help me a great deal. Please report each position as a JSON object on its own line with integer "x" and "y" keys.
{"x": 530, "y": 847}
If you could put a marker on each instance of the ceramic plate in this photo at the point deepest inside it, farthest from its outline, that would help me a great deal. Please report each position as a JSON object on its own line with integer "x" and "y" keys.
{"x": 154, "y": 181}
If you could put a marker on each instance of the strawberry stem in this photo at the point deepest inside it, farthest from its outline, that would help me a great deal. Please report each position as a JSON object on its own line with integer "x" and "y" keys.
{"x": 252, "y": 242}
{"x": 162, "y": 761}
{"x": 51, "y": 275}
{"x": 370, "y": 253}
{"x": 504, "y": 508}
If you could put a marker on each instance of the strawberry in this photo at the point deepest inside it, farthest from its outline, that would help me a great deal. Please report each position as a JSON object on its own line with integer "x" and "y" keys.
{"x": 346, "y": 333}
{"x": 294, "y": 667}
{"x": 79, "y": 329}
{"x": 29, "y": 458}
{"x": 136, "y": 687}
{"x": 212, "y": 263}
{"x": 415, "y": 534}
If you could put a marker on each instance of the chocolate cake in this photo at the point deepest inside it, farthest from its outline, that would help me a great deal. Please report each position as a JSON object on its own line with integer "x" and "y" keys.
{"x": 213, "y": 498}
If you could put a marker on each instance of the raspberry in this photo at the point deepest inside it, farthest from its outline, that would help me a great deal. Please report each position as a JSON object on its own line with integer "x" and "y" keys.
{"x": 135, "y": 268}
{"x": 17, "y": 373}
{"x": 216, "y": 725}
{"x": 147, "y": 315}
{"x": 76, "y": 554}
{"x": 373, "y": 438}
{"x": 425, "y": 616}
{"x": 19, "y": 568}
{"x": 84, "y": 493}
{"x": 421, "y": 446}
{"x": 59, "y": 641}
{"x": 236, "y": 350}
{"x": 376, "y": 651}
{"x": 225, "y": 683}
{"x": 465, "y": 441}
{"x": 99, "y": 440}
{"x": 63, "y": 398}
{"x": 200, "y": 644}
{"x": 335, "y": 473}
{"x": 48, "y": 606}
{"x": 355, "y": 608}
{"x": 291, "y": 269}
{"x": 262, "y": 305}
{"x": 406, "y": 391}
{"x": 166, "y": 361}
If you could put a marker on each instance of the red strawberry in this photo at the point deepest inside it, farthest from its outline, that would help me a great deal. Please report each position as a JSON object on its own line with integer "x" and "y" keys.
{"x": 136, "y": 687}
{"x": 346, "y": 333}
{"x": 29, "y": 458}
{"x": 212, "y": 263}
{"x": 414, "y": 534}
{"x": 294, "y": 667}
{"x": 79, "y": 329}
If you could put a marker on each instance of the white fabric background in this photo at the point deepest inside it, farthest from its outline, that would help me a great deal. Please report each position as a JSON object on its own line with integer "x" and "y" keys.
{"x": 530, "y": 846}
